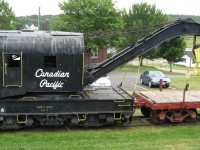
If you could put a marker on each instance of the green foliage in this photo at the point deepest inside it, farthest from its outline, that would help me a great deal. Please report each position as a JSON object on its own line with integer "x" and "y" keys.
{"x": 144, "y": 17}
{"x": 173, "y": 50}
{"x": 33, "y": 19}
{"x": 90, "y": 16}
{"x": 7, "y": 16}
{"x": 132, "y": 68}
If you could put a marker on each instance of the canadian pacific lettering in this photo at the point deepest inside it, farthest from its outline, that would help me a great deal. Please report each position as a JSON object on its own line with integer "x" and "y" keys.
{"x": 54, "y": 85}
{"x": 41, "y": 73}
{"x": 45, "y": 83}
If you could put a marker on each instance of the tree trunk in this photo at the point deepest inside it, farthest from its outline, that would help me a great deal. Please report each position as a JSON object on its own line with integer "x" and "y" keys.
{"x": 141, "y": 60}
{"x": 170, "y": 65}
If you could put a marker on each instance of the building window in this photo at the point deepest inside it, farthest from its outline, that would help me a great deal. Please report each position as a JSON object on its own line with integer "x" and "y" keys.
{"x": 193, "y": 62}
{"x": 50, "y": 61}
{"x": 94, "y": 54}
{"x": 184, "y": 60}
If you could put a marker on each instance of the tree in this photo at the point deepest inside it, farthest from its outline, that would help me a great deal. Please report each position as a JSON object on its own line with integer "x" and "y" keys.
{"x": 7, "y": 16}
{"x": 90, "y": 16}
{"x": 172, "y": 50}
{"x": 142, "y": 19}
{"x": 33, "y": 19}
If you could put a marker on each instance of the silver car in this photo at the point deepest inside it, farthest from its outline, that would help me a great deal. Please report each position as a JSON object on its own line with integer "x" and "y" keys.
{"x": 152, "y": 78}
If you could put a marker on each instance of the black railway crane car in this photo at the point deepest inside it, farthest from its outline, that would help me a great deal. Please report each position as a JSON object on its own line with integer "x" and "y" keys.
{"x": 42, "y": 76}
{"x": 43, "y": 81}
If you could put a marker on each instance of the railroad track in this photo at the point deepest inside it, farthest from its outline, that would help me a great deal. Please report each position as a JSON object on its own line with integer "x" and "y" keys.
{"x": 143, "y": 121}
{"x": 137, "y": 121}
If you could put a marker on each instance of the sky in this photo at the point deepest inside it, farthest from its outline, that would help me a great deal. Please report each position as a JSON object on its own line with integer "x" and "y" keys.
{"x": 50, "y": 7}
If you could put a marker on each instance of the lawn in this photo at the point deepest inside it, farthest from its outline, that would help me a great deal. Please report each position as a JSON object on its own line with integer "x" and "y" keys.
{"x": 189, "y": 40}
{"x": 179, "y": 67}
{"x": 180, "y": 82}
{"x": 132, "y": 68}
{"x": 110, "y": 138}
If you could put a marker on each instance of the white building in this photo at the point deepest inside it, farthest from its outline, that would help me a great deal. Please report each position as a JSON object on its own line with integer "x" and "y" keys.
{"x": 188, "y": 60}
{"x": 31, "y": 27}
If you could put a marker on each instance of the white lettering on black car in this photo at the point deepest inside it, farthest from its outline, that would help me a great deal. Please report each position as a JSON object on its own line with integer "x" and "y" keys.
{"x": 41, "y": 73}
{"x": 54, "y": 85}
{"x": 45, "y": 83}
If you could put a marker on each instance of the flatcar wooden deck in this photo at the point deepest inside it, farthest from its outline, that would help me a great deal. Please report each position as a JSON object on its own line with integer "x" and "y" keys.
{"x": 170, "y": 96}
{"x": 167, "y": 100}
{"x": 175, "y": 106}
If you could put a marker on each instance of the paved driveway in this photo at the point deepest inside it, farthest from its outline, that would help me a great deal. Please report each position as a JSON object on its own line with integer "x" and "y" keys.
{"x": 129, "y": 81}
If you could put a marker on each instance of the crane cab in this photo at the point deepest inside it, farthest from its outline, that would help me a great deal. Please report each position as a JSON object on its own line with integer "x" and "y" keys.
{"x": 40, "y": 62}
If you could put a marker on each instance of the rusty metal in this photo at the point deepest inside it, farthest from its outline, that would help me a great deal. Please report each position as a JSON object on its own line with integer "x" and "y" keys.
{"x": 141, "y": 101}
{"x": 174, "y": 112}
{"x": 183, "y": 103}
{"x": 177, "y": 115}
{"x": 161, "y": 85}
{"x": 155, "y": 117}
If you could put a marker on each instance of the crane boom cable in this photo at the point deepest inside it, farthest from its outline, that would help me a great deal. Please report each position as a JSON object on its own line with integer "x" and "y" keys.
{"x": 138, "y": 72}
{"x": 124, "y": 75}
{"x": 129, "y": 31}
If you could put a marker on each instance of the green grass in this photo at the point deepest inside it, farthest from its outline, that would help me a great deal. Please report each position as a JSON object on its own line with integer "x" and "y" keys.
{"x": 179, "y": 67}
{"x": 189, "y": 41}
{"x": 144, "y": 138}
{"x": 132, "y": 68}
{"x": 179, "y": 82}
{"x": 175, "y": 67}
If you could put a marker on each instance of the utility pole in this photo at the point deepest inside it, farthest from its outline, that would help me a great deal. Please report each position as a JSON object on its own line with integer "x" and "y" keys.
{"x": 39, "y": 19}
{"x": 47, "y": 24}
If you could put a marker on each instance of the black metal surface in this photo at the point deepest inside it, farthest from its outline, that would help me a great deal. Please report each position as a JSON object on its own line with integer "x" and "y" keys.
{"x": 40, "y": 62}
{"x": 92, "y": 101}
{"x": 91, "y": 108}
{"x": 176, "y": 29}
{"x": 63, "y": 107}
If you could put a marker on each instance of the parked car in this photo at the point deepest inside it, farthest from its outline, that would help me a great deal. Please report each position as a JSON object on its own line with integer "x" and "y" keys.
{"x": 152, "y": 78}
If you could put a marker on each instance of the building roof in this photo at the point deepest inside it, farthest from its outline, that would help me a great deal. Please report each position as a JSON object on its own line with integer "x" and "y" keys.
{"x": 189, "y": 54}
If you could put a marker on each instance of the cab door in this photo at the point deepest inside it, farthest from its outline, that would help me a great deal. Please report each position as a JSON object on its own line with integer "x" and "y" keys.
{"x": 12, "y": 70}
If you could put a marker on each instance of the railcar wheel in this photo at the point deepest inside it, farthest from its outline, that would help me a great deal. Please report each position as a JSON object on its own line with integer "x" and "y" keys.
{"x": 145, "y": 111}
{"x": 190, "y": 119}
{"x": 154, "y": 118}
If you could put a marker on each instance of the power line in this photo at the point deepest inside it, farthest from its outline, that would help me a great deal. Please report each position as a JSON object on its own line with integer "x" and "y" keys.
{"x": 135, "y": 32}
{"x": 129, "y": 32}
